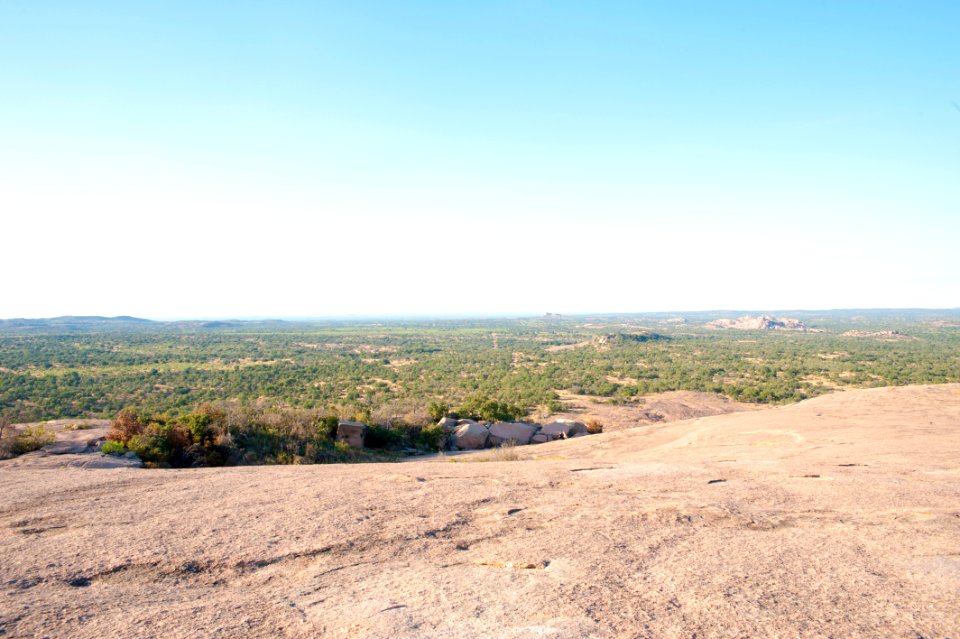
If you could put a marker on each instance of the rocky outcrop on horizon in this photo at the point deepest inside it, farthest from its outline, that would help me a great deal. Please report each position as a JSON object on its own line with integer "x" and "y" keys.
{"x": 759, "y": 323}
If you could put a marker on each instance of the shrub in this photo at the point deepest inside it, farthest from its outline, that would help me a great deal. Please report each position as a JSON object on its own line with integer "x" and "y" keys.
{"x": 126, "y": 425}
{"x": 6, "y": 447}
{"x": 437, "y": 410}
{"x": 382, "y": 437}
{"x": 594, "y": 426}
{"x": 485, "y": 408}
{"x": 80, "y": 426}
{"x": 32, "y": 438}
{"x": 258, "y": 441}
{"x": 113, "y": 448}
{"x": 208, "y": 456}
{"x": 327, "y": 427}
{"x": 6, "y": 441}
{"x": 432, "y": 437}
{"x": 161, "y": 444}
{"x": 199, "y": 426}
{"x": 554, "y": 406}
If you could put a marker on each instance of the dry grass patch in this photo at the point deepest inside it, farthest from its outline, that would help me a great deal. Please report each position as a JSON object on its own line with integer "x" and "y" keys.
{"x": 506, "y": 452}
{"x": 80, "y": 426}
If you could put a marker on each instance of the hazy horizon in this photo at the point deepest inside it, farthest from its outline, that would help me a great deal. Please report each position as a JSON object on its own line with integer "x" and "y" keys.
{"x": 428, "y": 158}
{"x": 482, "y": 316}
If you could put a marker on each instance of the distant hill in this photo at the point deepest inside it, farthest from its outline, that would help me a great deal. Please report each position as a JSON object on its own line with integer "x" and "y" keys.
{"x": 93, "y": 323}
{"x": 75, "y": 323}
{"x": 219, "y": 324}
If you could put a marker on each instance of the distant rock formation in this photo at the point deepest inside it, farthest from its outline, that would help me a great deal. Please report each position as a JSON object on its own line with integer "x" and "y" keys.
{"x": 759, "y": 323}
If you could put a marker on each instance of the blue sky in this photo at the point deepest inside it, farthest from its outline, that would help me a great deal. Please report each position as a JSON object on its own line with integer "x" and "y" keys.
{"x": 308, "y": 158}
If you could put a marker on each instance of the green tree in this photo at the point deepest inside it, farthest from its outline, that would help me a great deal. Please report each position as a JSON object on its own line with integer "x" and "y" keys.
{"x": 438, "y": 410}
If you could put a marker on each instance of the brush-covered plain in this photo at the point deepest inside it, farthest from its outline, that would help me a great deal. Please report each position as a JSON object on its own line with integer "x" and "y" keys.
{"x": 385, "y": 371}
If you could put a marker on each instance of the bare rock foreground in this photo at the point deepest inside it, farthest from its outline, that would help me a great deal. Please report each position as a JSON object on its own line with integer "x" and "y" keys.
{"x": 836, "y": 517}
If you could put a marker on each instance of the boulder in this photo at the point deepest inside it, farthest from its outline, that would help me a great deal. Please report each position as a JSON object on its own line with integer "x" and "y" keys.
{"x": 471, "y": 436}
{"x": 519, "y": 432}
{"x": 448, "y": 424}
{"x": 542, "y": 438}
{"x": 564, "y": 428}
{"x": 354, "y": 433}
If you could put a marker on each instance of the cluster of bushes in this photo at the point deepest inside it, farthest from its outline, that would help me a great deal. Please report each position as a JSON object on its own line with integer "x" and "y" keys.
{"x": 229, "y": 435}
{"x": 484, "y": 408}
{"x": 235, "y": 434}
{"x": 400, "y": 435}
{"x": 401, "y": 428}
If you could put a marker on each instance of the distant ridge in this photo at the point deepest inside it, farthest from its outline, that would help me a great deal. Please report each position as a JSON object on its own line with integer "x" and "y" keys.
{"x": 74, "y": 322}
{"x": 84, "y": 323}
{"x": 73, "y": 319}
{"x": 801, "y": 320}
{"x": 97, "y": 318}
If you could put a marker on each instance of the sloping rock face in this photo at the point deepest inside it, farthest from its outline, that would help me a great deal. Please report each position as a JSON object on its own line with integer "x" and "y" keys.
{"x": 90, "y": 460}
{"x": 519, "y": 432}
{"x": 127, "y": 460}
{"x": 74, "y": 443}
{"x": 478, "y": 550}
{"x": 470, "y": 435}
{"x": 563, "y": 429}
{"x": 354, "y": 433}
